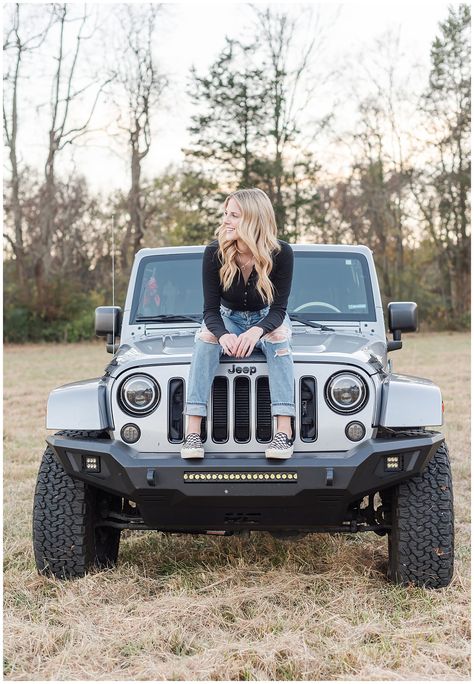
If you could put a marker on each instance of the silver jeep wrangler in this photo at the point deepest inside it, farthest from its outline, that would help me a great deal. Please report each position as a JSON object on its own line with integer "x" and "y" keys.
{"x": 364, "y": 457}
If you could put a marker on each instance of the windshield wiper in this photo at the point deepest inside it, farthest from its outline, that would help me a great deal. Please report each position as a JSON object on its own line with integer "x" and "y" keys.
{"x": 176, "y": 318}
{"x": 172, "y": 318}
{"x": 312, "y": 324}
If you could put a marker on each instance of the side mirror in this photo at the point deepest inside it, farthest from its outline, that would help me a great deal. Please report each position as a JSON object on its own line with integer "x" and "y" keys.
{"x": 402, "y": 317}
{"x": 108, "y": 323}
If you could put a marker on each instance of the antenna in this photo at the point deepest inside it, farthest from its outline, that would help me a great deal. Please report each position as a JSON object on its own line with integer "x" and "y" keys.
{"x": 113, "y": 280}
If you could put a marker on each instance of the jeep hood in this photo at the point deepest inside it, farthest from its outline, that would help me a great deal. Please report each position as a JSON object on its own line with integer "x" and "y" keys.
{"x": 319, "y": 346}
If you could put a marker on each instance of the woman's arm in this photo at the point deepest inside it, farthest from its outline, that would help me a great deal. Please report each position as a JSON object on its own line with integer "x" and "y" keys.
{"x": 282, "y": 278}
{"x": 211, "y": 290}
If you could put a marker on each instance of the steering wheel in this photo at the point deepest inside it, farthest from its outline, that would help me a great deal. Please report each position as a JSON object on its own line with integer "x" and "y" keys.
{"x": 324, "y": 304}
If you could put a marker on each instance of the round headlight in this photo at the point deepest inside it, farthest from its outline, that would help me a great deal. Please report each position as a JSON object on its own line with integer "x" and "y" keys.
{"x": 346, "y": 392}
{"x": 139, "y": 394}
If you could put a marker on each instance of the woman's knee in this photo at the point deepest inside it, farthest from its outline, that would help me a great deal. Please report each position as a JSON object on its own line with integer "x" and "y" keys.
{"x": 280, "y": 334}
{"x": 278, "y": 338}
{"x": 205, "y": 335}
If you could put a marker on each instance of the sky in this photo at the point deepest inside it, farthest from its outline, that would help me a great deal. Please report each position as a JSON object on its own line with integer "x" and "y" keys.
{"x": 193, "y": 34}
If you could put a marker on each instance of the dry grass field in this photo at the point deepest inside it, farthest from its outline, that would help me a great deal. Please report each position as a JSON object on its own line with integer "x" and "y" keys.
{"x": 206, "y": 608}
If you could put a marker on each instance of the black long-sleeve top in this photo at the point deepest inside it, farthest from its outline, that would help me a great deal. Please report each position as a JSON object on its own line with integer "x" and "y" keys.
{"x": 241, "y": 297}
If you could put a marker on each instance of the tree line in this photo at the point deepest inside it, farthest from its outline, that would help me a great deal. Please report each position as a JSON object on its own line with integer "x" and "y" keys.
{"x": 403, "y": 190}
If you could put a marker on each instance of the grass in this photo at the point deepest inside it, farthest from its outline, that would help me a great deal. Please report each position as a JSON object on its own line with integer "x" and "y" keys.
{"x": 198, "y": 608}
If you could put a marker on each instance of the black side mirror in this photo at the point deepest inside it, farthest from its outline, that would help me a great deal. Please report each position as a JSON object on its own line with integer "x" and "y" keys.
{"x": 108, "y": 323}
{"x": 402, "y": 317}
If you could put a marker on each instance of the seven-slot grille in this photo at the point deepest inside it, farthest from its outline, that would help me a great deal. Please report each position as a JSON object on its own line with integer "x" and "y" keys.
{"x": 251, "y": 410}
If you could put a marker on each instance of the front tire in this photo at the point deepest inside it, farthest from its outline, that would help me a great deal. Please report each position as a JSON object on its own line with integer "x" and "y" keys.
{"x": 421, "y": 540}
{"x": 68, "y": 539}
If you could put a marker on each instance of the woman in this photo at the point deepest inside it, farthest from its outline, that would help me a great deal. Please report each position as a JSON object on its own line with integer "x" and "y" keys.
{"x": 247, "y": 275}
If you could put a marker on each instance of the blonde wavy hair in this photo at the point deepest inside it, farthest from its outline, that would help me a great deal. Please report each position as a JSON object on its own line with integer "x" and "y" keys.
{"x": 258, "y": 229}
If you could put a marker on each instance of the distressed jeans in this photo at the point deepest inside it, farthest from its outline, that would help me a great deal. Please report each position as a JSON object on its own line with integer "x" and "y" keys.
{"x": 207, "y": 353}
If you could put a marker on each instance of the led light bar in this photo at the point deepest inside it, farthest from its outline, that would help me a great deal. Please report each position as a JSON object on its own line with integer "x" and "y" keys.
{"x": 267, "y": 476}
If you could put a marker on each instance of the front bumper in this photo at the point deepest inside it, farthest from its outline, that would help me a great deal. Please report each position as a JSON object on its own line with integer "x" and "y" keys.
{"x": 317, "y": 496}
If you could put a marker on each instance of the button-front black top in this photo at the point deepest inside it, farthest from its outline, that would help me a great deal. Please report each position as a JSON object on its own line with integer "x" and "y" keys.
{"x": 242, "y": 297}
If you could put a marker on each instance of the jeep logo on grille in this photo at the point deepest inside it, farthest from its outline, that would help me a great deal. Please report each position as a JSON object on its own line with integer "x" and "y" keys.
{"x": 248, "y": 370}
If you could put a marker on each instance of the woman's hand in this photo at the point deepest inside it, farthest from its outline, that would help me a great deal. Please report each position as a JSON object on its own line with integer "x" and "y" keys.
{"x": 228, "y": 342}
{"x": 247, "y": 341}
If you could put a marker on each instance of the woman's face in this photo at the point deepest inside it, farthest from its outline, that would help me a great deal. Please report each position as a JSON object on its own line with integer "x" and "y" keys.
{"x": 232, "y": 216}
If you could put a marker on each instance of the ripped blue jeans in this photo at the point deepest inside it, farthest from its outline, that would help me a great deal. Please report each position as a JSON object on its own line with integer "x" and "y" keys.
{"x": 275, "y": 345}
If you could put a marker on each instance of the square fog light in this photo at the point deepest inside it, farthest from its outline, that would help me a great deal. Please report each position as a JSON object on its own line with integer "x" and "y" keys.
{"x": 91, "y": 464}
{"x": 393, "y": 463}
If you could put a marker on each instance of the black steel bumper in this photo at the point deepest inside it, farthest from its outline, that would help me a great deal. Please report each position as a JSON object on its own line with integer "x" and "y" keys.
{"x": 196, "y": 495}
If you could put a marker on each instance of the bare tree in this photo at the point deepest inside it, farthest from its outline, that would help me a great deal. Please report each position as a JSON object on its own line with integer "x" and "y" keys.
{"x": 15, "y": 46}
{"x": 141, "y": 86}
{"x": 64, "y": 32}
{"x": 63, "y": 129}
{"x": 375, "y": 199}
{"x": 391, "y": 97}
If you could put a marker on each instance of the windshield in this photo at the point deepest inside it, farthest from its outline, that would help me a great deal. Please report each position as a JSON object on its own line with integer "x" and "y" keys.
{"x": 328, "y": 286}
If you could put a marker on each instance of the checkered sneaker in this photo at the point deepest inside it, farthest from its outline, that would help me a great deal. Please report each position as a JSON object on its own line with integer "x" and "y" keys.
{"x": 192, "y": 447}
{"x": 281, "y": 446}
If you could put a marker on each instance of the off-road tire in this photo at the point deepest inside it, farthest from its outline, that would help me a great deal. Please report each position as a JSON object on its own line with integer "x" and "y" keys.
{"x": 421, "y": 540}
{"x": 68, "y": 540}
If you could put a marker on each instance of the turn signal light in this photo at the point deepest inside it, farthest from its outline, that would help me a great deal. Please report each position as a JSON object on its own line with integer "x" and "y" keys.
{"x": 130, "y": 433}
{"x": 355, "y": 431}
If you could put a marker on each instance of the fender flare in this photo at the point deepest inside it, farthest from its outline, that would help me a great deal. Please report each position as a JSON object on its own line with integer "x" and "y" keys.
{"x": 408, "y": 401}
{"x": 79, "y": 406}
